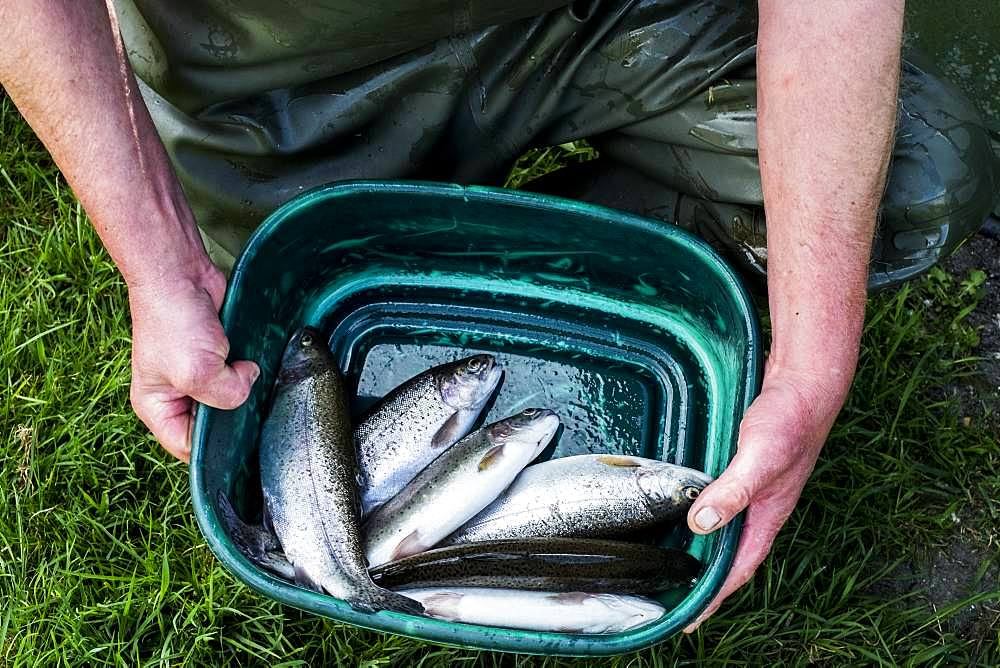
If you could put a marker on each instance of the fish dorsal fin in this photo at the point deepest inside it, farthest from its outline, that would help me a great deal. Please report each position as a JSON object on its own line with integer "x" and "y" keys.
{"x": 449, "y": 433}
{"x": 619, "y": 460}
{"x": 379, "y": 599}
{"x": 492, "y": 456}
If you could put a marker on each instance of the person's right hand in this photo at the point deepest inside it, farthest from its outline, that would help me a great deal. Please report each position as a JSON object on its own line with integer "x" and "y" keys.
{"x": 179, "y": 355}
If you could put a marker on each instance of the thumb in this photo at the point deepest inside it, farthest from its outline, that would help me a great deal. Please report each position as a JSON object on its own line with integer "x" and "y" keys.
{"x": 768, "y": 433}
{"x": 229, "y": 387}
{"x": 732, "y": 491}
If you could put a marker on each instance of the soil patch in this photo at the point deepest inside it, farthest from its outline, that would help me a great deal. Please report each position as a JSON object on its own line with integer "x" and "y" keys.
{"x": 980, "y": 398}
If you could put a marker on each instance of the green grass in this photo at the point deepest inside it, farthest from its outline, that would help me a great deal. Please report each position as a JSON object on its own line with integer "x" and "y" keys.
{"x": 101, "y": 562}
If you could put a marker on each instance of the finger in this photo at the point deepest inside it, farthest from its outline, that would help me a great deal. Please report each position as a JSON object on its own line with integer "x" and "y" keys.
{"x": 755, "y": 543}
{"x": 174, "y": 435}
{"x": 226, "y": 387}
{"x": 170, "y": 422}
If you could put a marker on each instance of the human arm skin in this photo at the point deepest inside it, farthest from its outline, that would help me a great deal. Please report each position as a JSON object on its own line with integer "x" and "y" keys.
{"x": 62, "y": 64}
{"x": 828, "y": 76}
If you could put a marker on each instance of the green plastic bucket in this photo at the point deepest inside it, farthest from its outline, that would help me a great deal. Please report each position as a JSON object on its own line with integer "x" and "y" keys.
{"x": 635, "y": 332}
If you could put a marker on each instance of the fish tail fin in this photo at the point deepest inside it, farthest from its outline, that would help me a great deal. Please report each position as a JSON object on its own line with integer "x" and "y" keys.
{"x": 303, "y": 579}
{"x": 378, "y": 598}
{"x": 254, "y": 540}
{"x": 227, "y": 512}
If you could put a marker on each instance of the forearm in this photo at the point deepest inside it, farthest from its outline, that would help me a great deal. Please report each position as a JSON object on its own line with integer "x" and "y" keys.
{"x": 827, "y": 106}
{"x": 61, "y": 63}
{"x": 827, "y": 83}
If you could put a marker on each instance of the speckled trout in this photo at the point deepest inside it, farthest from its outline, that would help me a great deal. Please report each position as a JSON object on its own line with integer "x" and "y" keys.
{"x": 586, "y": 496}
{"x": 456, "y": 485}
{"x": 545, "y": 564}
{"x": 565, "y": 612}
{"x": 418, "y": 421}
{"x": 309, "y": 474}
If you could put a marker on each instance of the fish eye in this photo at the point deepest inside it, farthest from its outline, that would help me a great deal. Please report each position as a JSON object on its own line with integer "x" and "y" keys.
{"x": 529, "y": 412}
{"x": 307, "y": 339}
{"x": 474, "y": 365}
{"x": 691, "y": 493}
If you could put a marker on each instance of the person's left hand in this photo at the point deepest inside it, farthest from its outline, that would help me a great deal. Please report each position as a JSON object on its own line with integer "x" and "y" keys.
{"x": 780, "y": 439}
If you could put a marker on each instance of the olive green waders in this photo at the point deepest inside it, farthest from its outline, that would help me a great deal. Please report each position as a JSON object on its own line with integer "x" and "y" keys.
{"x": 258, "y": 100}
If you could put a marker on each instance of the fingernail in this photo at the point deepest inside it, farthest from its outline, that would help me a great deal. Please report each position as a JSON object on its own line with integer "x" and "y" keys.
{"x": 707, "y": 518}
{"x": 253, "y": 377}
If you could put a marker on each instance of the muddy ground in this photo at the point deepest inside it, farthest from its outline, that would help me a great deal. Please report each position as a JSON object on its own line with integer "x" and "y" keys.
{"x": 981, "y": 397}
{"x": 969, "y": 562}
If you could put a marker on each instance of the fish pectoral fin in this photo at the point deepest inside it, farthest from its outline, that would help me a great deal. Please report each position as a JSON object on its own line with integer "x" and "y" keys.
{"x": 492, "y": 456}
{"x": 570, "y": 597}
{"x": 302, "y": 579}
{"x": 443, "y": 605}
{"x": 450, "y": 432}
{"x": 412, "y": 544}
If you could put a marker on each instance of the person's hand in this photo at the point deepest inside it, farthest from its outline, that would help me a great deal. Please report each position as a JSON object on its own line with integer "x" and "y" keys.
{"x": 179, "y": 355}
{"x": 780, "y": 439}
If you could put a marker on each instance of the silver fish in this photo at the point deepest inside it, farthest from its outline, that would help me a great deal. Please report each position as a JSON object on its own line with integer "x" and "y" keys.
{"x": 456, "y": 485}
{"x": 417, "y": 421}
{"x": 309, "y": 476}
{"x": 566, "y": 612}
{"x": 586, "y": 496}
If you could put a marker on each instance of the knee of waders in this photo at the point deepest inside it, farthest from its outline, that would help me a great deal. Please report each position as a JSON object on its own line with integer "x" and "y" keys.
{"x": 942, "y": 183}
{"x": 736, "y": 231}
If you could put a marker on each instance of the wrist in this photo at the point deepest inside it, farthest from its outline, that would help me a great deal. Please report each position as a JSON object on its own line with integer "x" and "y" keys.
{"x": 160, "y": 283}
{"x": 829, "y": 356}
{"x": 153, "y": 237}
{"x": 821, "y": 386}
{"x": 169, "y": 271}
{"x": 171, "y": 255}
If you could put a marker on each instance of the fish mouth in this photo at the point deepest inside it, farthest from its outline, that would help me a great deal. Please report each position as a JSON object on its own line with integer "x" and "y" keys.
{"x": 491, "y": 377}
{"x": 532, "y": 428}
{"x": 645, "y": 612}
{"x": 464, "y": 389}
{"x": 544, "y": 429}
{"x": 305, "y": 354}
